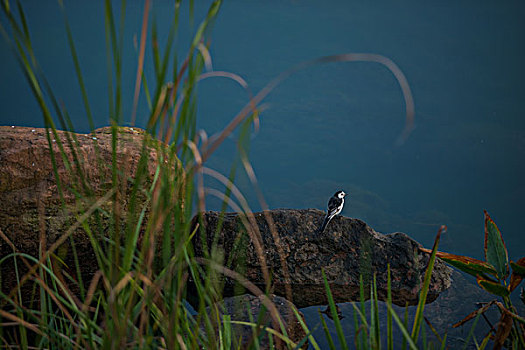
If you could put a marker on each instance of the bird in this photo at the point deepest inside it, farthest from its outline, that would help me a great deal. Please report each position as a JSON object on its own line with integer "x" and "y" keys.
{"x": 335, "y": 205}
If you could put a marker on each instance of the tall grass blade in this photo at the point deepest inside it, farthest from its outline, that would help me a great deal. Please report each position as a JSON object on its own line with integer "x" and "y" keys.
{"x": 444, "y": 342}
{"x": 328, "y": 336}
{"x": 471, "y": 332}
{"x": 389, "y": 330}
{"x": 406, "y": 336}
{"x": 227, "y": 332}
{"x": 375, "y": 316}
{"x": 78, "y": 71}
{"x": 308, "y": 333}
{"x": 140, "y": 68}
{"x": 426, "y": 285}
{"x": 363, "y": 311}
{"x": 405, "y": 324}
{"x": 333, "y": 310}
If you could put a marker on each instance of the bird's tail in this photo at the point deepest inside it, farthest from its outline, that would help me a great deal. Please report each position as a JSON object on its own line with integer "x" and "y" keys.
{"x": 323, "y": 226}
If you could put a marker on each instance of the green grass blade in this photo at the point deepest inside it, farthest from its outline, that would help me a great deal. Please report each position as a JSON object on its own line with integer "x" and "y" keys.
{"x": 155, "y": 47}
{"x": 256, "y": 332}
{"x": 389, "y": 330}
{"x": 484, "y": 343}
{"x": 471, "y": 332}
{"x": 405, "y": 324}
{"x": 362, "y": 305}
{"x": 424, "y": 336}
{"x": 426, "y": 285}
{"x": 375, "y": 312}
{"x": 24, "y": 24}
{"x": 80, "y": 78}
{"x": 333, "y": 311}
{"x": 444, "y": 342}
{"x": 308, "y": 333}
{"x": 146, "y": 91}
{"x": 402, "y": 328}
{"x": 226, "y": 332}
{"x": 357, "y": 340}
{"x": 328, "y": 336}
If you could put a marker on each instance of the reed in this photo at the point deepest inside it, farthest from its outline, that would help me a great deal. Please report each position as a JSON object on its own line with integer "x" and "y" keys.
{"x": 139, "y": 226}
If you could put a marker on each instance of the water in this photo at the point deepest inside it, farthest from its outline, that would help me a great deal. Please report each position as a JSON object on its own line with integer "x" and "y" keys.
{"x": 334, "y": 126}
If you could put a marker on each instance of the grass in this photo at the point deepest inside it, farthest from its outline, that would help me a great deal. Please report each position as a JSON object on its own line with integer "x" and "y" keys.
{"x": 368, "y": 331}
{"x": 139, "y": 226}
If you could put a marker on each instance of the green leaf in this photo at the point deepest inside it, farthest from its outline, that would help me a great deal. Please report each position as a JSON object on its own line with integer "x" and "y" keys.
{"x": 518, "y": 273}
{"x": 518, "y": 267}
{"x": 466, "y": 264}
{"x": 493, "y": 287}
{"x": 495, "y": 251}
{"x": 471, "y": 269}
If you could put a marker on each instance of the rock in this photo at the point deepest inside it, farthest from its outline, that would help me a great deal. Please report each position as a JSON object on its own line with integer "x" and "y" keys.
{"x": 347, "y": 248}
{"x": 31, "y": 213}
{"x": 32, "y": 216}
{"x": 240, "y": 307}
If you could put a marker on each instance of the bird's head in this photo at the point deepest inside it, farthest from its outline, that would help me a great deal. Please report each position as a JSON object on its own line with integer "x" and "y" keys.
{"x": 340, "y": 194}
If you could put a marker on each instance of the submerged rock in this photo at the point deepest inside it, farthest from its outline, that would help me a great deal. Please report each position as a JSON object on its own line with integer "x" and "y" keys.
{"x": 249, "y": 308}
{"x": 347, "y": 249}
{"x": 450, "y": 307}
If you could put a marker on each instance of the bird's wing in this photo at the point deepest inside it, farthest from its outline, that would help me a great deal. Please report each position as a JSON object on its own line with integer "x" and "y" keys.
{"x": 333, "y": 204}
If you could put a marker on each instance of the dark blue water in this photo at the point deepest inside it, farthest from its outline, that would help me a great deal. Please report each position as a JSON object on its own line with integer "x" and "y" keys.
{"x": 334, "y": 126}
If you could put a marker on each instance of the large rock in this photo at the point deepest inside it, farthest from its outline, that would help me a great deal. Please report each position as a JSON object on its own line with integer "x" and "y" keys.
{"x": 32, "y": 215}
{"x": 347, "y": 249}
{"x": 31, "y": 211}
{"x": 249, "y": 308}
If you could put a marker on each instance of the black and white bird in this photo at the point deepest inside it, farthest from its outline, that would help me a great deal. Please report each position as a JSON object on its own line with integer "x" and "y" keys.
{"x": 335, "y": 205}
